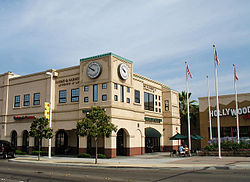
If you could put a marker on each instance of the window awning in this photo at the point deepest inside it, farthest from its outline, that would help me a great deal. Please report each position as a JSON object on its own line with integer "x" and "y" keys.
{"x": 151, "y": 132}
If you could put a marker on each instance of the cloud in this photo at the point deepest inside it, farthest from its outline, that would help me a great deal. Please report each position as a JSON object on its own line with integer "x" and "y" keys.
{"x": 157, "y": 35}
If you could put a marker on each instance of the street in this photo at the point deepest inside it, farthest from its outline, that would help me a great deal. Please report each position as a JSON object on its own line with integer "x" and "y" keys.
{"x": 13, "y": 172}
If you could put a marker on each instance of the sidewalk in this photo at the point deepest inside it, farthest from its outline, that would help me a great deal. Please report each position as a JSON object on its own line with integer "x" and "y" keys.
{"x": 154, "y": 160}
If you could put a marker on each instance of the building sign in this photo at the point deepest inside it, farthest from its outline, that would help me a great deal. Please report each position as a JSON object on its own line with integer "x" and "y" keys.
{"x": 68, "y": 81}
{"x": 231, "y": 112}
{"x": 23, "y": 117}
{"x": 46, "y": 110}
{"x": 149, "y": 88}
{"x": 153, "y": 119}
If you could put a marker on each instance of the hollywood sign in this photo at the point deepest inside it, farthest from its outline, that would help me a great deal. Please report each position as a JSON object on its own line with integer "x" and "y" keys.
{"x": 231, "y": 112}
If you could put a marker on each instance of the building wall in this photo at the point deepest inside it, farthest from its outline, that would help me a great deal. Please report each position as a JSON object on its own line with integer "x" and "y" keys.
{"x": 128, "y": 115}
{"x": 226, "y": 104}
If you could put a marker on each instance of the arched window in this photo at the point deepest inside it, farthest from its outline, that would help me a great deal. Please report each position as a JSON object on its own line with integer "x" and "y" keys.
{"x": 14, "y": 138}
{"x": 25, "y": 143}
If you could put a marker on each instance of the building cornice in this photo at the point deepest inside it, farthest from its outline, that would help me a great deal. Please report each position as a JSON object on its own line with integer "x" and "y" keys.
{"x": 107, "y": 54}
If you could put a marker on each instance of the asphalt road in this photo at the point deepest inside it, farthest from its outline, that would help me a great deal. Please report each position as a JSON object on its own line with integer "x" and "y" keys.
{"x": 17, "y": 172}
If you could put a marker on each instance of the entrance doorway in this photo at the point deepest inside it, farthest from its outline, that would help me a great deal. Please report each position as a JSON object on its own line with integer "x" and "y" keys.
{"x": 152, "y": 140}
{"x": 121, "y": 142}
{"x": 61, "y": 142}
{"x": 25, "y": 144}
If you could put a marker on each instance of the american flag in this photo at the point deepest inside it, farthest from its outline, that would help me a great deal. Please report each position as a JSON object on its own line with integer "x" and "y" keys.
{"x": 235, "y": 74}
{"x": 216, "y": 57}
{"x": 189, "y": 73}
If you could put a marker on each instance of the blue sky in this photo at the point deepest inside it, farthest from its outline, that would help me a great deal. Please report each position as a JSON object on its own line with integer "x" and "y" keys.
{"x": 157, "y": 35}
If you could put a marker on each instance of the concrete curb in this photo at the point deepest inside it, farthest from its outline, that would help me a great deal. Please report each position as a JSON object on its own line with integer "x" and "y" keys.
{"x": 170, "y": 166}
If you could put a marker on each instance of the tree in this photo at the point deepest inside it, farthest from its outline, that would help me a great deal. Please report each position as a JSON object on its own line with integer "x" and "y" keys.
{"x": 194, "y": 115}
{"x": 96, "y": 124}
{"x": 40, "y": 130}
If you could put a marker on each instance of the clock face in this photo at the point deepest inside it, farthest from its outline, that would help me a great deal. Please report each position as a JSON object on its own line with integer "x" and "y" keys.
{"x": 94, "y": 70}
{"x": 123, "y": 71}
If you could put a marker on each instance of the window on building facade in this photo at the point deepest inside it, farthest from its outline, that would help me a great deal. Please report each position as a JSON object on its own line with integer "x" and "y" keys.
{"x": 62, "y": 96}
{"x": 159, "y": 109}
{"x": 75, "y": 95}
{"x": 95, "y": 93}
{"x": 159, "y": 104}
{"x": 36, "y": 100}
{"x": 166, "y": 105}
{"x": 159, "y": 97}
{"x": 156, "y": 109}
{"x": 128, "y": 100}
{"x": 115, "y": 86}
{"x": 26, "y": 100}
{"x": 122, "y": 93}
{"x": 148, "y": 101}
{"x": 156, "y": 103}
{"x": 137, "y": 96}
{"x": 155, "y": 97}
{"x": 104, "y": 97}
{"x": 104, "y": 86}
{"x": 86, "y": 99}
{"x": 86, "y": 88}
{"x": 128, "y": 89}
{"x": 17, "y": 101}
{"x": 116, "y": 97}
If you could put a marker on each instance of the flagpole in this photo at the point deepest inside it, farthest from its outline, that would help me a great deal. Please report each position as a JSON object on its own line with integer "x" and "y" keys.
{"x": 189, "y": 135}
{"x": 217, "y": 103}
{"x": 236, "y": 106}
{"x": 209, "y": 110}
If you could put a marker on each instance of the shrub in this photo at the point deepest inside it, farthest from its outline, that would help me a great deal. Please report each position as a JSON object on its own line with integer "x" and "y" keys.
{"x": 210, "y": 147}
{"x": 19, "y": 152}
{"x": 101, "y": 156}
{"x": 43, "y": 153}
{"x": 84, "y": 155}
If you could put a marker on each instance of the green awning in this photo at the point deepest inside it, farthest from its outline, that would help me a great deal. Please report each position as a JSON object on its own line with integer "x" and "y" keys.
{"x": 151, "y": 132}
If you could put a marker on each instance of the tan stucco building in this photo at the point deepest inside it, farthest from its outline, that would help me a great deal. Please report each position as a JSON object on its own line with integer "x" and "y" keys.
{"x": 228, "y": 124}
{"x": 145, "y": 111}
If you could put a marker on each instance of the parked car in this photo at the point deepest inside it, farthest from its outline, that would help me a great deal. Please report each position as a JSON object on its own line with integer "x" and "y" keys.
{"x": 6, "y": 149}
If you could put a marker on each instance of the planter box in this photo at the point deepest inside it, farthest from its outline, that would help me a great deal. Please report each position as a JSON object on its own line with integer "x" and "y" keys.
{"x": 225, "y": 153}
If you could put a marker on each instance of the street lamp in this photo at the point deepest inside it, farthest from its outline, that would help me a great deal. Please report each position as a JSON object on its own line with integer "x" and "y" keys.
{"x": 50, "y": 111}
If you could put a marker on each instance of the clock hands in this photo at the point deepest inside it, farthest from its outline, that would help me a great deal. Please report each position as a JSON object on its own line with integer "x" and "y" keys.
{"x": 124, "y": 70}
{"x": 91, "y": 69}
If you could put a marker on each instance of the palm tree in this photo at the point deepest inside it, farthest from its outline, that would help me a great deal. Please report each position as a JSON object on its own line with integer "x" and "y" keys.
{"x": 194, "y": 114}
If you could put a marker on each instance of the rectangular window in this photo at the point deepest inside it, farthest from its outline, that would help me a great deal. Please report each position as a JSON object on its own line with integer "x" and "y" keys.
{"x": 86, "y": 99}
{"x": 17, "y": 101}
{"x": 155, "y": 97}
{"x": 159, "y": 104}
{"x": 122, "y": 93}
{"x": 148, "y": 101}
{"x": 128, "y": 100}
{"x": 104, "y": 97}
{"x": 128, "y": 89}
{"x": 116, "y": 97}
{"x": 159, "y": 109}
{"x": 156, "y": 109}
{"x": 155, "y": 103}
{"x": 115, "y": 86}
{"x": 75, "y": 95}
{"x": 95, "y": 93}
{"x": 26, "y": 100}
{"x": 62, "y": 96}
{"x": 166, "y": 105}
{"x": 137, "y": 96}
{"x": 104, "y": 86}
{"x": 36, "y": 99}
{"x": 159, "y": 97}
{"x": 86, "y": 88}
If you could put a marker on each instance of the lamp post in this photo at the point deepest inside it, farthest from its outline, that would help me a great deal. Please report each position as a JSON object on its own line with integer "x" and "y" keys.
{"x": 50, "y": 111}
